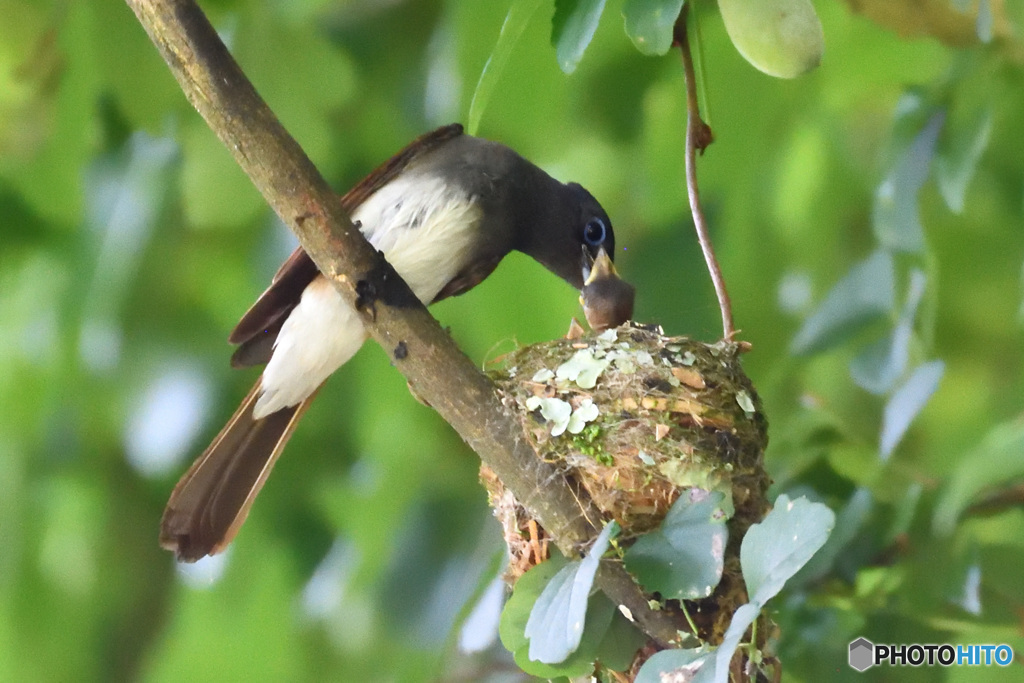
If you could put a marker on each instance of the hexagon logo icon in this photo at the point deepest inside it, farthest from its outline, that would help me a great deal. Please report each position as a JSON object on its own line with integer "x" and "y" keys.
{"x": 862, "y": 654}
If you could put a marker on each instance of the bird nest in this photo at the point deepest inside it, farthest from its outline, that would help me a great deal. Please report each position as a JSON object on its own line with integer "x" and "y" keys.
{"x": 635, "y": 419}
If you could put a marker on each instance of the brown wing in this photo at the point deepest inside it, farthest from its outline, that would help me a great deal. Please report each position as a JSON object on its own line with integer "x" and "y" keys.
{"x": 258, "y": 328}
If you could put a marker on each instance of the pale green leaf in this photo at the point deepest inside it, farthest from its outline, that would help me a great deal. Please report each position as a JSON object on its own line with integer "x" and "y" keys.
{"x": 865, "y": 295}
{"x": 572, "y": 29}
{"x": 649, "y": 23}
{"x": 519, "y": 15}
{"x": 895, "y": 219}
{"x": 556, "y": 623}
{"x": 879, "y": 366}
{"x": 662, "y": 665}
{"x": 906, "y": 402}
{"x": 995, "y": 460}
{"x": 960, "y": 149}
{"x": 683, "y": 558}
{"x": 777, "y": 547}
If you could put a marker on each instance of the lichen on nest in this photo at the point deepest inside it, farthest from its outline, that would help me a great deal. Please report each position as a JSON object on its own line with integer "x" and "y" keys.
{"x": 637, "y": 417}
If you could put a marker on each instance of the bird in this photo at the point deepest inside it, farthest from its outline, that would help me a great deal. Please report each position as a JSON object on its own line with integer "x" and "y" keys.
{"x": 606, "y": 298}
{"x": 444, "y": 211}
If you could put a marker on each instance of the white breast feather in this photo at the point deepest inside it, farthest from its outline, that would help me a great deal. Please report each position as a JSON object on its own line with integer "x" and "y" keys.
{"x": 425, "y": 234}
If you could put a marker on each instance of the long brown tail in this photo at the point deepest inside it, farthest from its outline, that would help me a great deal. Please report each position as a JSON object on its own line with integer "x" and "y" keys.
{"x": 213, "y": 498}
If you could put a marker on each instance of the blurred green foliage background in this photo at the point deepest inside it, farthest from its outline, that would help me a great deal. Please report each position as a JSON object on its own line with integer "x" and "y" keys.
{"x": 130, "y": 244}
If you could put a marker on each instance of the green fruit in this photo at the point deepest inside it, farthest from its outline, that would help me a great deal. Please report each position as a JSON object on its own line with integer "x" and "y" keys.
{"x": 782, "y": 38}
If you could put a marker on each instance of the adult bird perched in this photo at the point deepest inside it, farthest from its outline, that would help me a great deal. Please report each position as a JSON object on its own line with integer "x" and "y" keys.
{"x": 443, "y": 211}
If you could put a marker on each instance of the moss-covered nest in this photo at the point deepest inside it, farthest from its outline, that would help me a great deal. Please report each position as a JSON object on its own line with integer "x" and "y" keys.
{"x": 636, "y": 418}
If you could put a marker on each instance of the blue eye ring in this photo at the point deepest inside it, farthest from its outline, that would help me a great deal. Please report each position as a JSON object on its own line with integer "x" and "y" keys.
{"x": 595, "y": 232}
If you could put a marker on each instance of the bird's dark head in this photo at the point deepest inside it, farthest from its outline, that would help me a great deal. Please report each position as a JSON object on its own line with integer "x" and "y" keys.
{"x": 569, "y": 233}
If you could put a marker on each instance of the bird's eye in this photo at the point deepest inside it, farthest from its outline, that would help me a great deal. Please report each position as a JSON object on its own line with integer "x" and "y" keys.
{"x": 595, "y": 232}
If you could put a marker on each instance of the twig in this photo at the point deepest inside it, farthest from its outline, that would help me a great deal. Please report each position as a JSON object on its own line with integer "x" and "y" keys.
{"x": 996, "y": 502}
{"x": 698, "y": 137}
{"x": 434, "y": 366}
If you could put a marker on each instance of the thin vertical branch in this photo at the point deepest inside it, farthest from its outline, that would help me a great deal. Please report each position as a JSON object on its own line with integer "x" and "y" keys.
{"x": 698, "y": 137}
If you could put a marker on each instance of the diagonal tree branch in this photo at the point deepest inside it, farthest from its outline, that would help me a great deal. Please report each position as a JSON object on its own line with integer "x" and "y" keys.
{"x": 436, "y": 369}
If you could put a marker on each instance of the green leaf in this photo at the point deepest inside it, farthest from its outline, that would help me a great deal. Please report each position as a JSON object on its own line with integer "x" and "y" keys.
{"x": 512, "y": 628}
{"x": 620, "y": 643}
{"x": 895, "y": 219}
{"x": 742, "y": 618}
{"x": 849, "y": 522}
{"x": 555, "y": 626}
{"x": 701, "y": 665}
{"x": 684, "y": 557}
{"x": 572, "y": 29}
{"x": 556, "y": 622}
{"x": 775, "y": 549}
{"x": 519, "y": 15}
{"x": 996, "y": 460}
{"x": 960, "y": 148}
{"x": 782, "y": 38}
{"x": 659, "y": 667}
{"x": 906, "y": 402}
{"x": 865, "y": 295}
{"x": 878, "y": 367}
{"x": 649, "y": 24}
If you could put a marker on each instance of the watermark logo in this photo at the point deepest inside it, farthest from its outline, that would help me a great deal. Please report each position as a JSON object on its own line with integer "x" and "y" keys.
{"x": 864, "y": 654}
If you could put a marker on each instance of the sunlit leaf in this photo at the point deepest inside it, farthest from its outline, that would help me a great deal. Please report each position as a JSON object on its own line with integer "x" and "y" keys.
{"x": 518, "y": 17}
{"x": 649, "y": 23}
{"x": 777, "y": 547}
{"x": 572, "y": 29}
{"x": 864, "y": 295}
{"x": 556, "y": 622}
{"x": 683, "y": 558}
{"x": 996, "y": 460}
{"x": 895, "y": 219}
{"x": 906, "y": 402}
